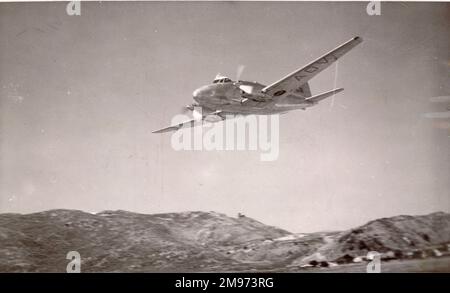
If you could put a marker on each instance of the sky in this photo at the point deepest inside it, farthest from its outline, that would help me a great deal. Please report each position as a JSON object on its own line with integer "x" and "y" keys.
{"x": 80, "y": 96}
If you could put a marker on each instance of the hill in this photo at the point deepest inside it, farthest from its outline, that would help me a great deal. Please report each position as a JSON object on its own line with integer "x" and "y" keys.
{"x": 120, "y": 241}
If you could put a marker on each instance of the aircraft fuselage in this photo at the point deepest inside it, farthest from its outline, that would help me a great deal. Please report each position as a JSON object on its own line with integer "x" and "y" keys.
{"x": 242, "y": 97}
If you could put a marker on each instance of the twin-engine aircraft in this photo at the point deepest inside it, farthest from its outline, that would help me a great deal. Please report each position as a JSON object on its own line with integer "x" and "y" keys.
{"x": 227, "y": 97}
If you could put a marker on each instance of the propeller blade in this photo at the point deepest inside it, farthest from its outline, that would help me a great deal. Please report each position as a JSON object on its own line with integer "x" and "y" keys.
{"x": 239, "y": 71}
{"x": 185, "y": 109}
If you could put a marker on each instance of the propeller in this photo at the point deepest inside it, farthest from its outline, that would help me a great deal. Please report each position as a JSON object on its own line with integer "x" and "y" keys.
{"x": 239, "y": 71}
{"x": 244, "y": 88}
{"x": 188, "y": 108}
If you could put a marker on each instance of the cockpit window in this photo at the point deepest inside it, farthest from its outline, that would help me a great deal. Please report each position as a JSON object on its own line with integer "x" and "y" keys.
{"x": 222, "y": 80}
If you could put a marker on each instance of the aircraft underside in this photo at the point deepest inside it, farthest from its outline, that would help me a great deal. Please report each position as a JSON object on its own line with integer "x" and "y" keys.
{"x": 256, "y": 108}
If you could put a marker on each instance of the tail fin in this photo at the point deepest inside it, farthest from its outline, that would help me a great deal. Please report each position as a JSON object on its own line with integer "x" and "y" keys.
{"x": 303, "y": 91}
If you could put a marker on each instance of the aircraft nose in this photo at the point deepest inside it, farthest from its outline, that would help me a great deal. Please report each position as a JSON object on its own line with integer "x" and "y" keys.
{"x": 203, "y": 93}
{"x": 197, "y": 93}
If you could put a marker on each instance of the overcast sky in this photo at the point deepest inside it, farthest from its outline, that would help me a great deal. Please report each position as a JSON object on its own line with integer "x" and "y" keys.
{"x": 80, "y": 95}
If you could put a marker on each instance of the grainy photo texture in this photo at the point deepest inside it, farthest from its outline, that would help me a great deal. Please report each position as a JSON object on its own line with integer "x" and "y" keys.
{"x": 224, "y": 137}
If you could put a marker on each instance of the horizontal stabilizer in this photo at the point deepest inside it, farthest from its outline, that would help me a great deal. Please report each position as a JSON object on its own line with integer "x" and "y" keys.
{"x": 320, "y": 97}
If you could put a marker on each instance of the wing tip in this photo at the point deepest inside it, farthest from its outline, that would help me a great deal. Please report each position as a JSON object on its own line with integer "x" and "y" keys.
{"x": 166, "y": 129}
{"x": 358, "y": 39}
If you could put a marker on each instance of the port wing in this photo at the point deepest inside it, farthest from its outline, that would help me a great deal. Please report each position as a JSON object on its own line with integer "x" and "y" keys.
{"x": 298, "y": 78}
{"x": 189, "y": 123}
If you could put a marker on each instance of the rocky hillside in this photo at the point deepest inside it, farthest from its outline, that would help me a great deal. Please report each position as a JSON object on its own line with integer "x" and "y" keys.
{"x": 120, "y": 241}
{"x": 397, "y": 237}
{"x": 401, "y": 234}
{"x": 124, "y": 241}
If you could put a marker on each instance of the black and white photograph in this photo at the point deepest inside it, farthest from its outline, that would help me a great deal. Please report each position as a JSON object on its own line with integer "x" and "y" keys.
{"x": 224, "y": 137}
